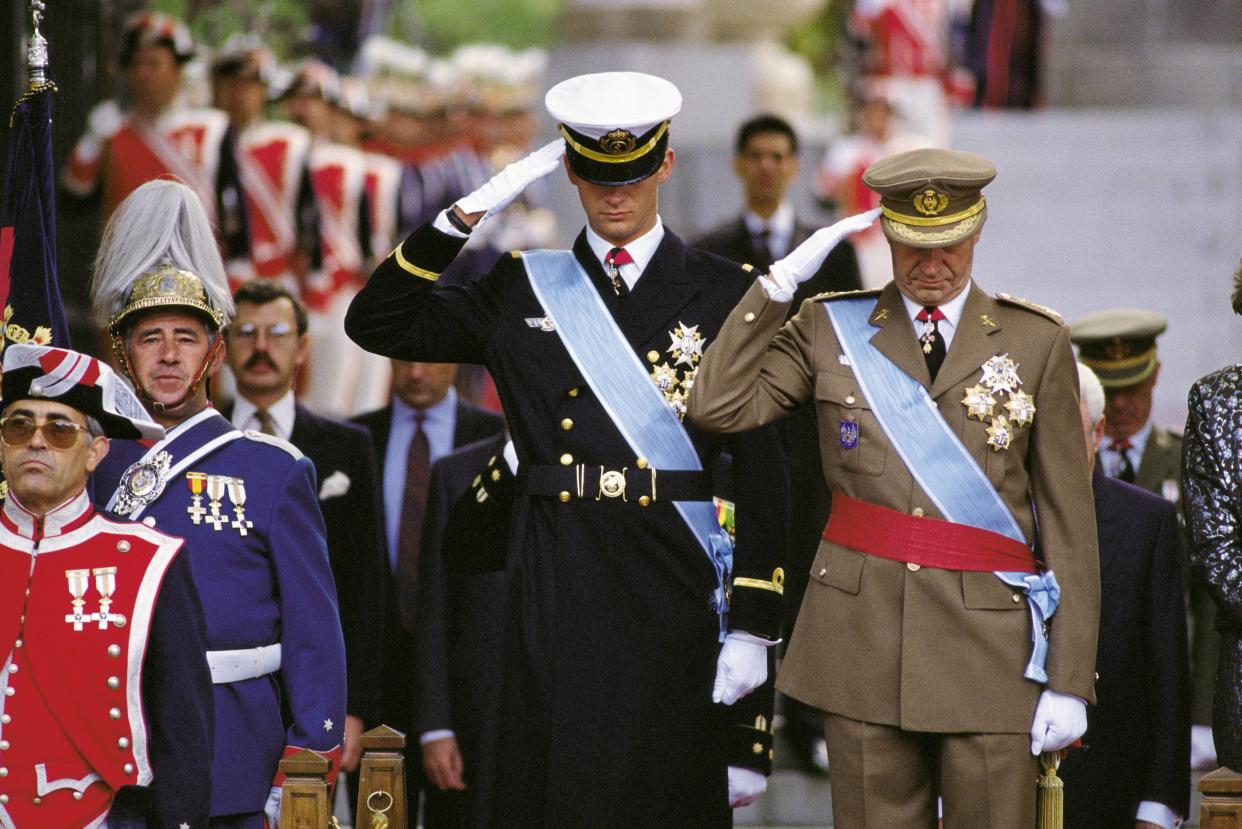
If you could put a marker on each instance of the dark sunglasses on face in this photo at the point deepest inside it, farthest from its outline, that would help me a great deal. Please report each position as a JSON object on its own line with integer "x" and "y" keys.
{"x": 19, "y": 430}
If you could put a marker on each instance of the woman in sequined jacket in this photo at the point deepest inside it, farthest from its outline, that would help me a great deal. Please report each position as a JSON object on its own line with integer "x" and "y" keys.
{"x": 1212, "y": 501}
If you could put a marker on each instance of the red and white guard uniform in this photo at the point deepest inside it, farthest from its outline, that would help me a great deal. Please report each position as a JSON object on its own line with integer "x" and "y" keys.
{"x": 184, "y": 142}
{"x": 72, "y": 727}
{"x": 272, "y": 158}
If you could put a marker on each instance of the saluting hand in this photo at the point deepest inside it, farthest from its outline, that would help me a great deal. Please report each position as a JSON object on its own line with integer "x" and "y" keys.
{"x": 501, "y": 189}
{"x": 804, "y": 261}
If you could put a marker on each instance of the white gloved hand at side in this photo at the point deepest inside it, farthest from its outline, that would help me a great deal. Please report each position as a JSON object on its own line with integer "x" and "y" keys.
{"x": 745, "y": 786}
{"x": 804, "y": 261}
{"x": 104, "y": 120}
{"x": 1060, "y": 719}
{"x": 501, "y": 189}
{"x": 741, "y": 667}
{"x": 271, "y": 809}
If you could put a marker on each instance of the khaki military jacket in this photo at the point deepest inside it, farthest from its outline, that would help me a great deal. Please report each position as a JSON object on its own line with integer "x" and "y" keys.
{"x": 882, "y": 641}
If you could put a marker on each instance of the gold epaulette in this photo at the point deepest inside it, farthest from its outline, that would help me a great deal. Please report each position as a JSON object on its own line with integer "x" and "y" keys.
{"x": 1019, "y": 302}
{"x": 776, "y": 585}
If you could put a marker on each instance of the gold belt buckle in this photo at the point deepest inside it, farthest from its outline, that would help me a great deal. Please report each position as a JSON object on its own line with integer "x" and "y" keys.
{"x": 611, "y": 484}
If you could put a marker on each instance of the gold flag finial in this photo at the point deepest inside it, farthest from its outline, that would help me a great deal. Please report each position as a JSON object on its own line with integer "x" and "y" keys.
{"x": 1050, "y": 802}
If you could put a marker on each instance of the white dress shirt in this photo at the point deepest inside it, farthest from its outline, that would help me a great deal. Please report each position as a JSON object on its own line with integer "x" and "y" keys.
{"x": 283, "y": 411}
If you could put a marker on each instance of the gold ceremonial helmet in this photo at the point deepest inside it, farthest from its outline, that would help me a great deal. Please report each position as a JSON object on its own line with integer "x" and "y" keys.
{"x": 166, "y": 287}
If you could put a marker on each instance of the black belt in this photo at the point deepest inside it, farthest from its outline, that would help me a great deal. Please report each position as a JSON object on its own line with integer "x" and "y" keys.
{"x": 597, "y": 482}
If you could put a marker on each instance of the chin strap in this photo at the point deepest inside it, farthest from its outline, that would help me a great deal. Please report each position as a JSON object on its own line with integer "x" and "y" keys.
{"x": 122, "y": 356}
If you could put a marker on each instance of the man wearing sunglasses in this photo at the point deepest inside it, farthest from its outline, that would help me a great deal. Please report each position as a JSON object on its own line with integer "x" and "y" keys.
{"x": 126, "y": 733}
{"x": 245, "y": 500}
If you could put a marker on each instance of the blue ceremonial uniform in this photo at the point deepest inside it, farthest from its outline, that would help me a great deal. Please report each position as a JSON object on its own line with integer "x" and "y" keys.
{"x": 248, "y": 509}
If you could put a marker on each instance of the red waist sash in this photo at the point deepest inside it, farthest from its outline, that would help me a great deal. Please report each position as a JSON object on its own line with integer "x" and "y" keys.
{"x": 928, "y": 542}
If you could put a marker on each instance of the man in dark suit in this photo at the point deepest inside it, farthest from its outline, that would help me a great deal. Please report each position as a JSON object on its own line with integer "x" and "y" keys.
{"x": 460, "y": 627}
{"x": 424, "y": 422}
{"x": 616, "y": 652}
{"x": 1134, "y": 765}
{"x": 267, "y": 342}
{"x": 765, "y": 161}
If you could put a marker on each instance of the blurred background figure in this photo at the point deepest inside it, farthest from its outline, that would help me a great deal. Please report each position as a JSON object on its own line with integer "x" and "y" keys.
{"x": 1119, "y": 345}
{"x": 876, "y": 132}
{"x": 272, "y": 158}
{"x": 158, "y": 135}
{"x": 1134, "y": 764}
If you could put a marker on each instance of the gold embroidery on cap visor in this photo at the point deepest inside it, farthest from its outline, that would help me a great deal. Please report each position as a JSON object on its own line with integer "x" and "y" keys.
{"x": 1120, "y": 373}
{"x": 903, "y": 229}
{"x": 167, "y": 286}
{"x": 595, "y": 155}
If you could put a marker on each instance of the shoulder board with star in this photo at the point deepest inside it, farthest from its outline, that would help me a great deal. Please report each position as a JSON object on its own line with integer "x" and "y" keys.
{"x": 829, "y": 296}
{"x": 272, "y": 440}
{"x": 1019, "y": 302}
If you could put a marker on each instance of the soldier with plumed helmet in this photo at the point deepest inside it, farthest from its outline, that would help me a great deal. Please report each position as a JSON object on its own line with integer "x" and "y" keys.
{"x": 245, "y": 500}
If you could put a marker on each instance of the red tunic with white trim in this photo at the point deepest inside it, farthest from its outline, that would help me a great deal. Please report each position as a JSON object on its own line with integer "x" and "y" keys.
{"x": 272, "y": 159}
{"x": 78, "y": 594}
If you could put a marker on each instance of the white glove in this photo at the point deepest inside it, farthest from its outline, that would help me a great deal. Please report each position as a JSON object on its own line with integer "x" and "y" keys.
{"x": 1202, "y": 748}
{"x": 272, "y": 807}
{"x": 741, "y": 667}
{"x": 803, "y": 261}
{"x": 104, "y": 120}
{"x": 745, "y": 786}
{"x": 1060, "y": 719}
{"x": 502, "y": 188}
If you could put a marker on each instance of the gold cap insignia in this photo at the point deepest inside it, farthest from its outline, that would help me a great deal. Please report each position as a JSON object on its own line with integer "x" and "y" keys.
{"x": 618, "y": 142}
{"x": 929, "y": 202}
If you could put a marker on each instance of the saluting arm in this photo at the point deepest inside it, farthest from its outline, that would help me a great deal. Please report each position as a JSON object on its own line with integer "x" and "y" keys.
{"x": 753, "y": 375}
{"x": 400, "y": 313}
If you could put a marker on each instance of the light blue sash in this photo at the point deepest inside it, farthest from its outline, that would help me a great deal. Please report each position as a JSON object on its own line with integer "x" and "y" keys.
{"x": 614, "y": 372}
{"x": 940, "y": 464}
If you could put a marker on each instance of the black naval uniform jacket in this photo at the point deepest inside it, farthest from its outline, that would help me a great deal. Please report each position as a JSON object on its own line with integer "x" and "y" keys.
{"x": 611, "y": 638}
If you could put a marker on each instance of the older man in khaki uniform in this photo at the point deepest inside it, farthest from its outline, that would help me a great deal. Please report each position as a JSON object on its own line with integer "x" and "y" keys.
{"x": 927, "y": 633}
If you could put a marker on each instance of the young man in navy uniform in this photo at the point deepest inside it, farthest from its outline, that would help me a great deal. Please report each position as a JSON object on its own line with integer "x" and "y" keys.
{"x": 107, "y": 709}
{"x": 247, "y": 500}
{"x": 617, "y": 579}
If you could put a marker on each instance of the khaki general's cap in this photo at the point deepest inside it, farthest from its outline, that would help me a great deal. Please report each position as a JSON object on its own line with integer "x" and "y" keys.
{"x": 1119, "y": 344}
{"x": 930, "y": 198}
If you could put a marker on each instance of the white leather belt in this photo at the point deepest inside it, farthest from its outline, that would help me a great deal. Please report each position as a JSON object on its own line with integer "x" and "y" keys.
{"x": 248, "y": 663}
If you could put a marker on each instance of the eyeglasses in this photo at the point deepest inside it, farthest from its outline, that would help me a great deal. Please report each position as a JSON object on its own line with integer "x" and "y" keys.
{"x": 248, "y": 332}
{"x": 19, "y": 430}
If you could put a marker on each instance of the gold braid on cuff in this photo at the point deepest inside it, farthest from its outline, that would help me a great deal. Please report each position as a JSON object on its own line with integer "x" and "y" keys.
{"x": 409, "y": 267}
{"x": 776, "y": 585}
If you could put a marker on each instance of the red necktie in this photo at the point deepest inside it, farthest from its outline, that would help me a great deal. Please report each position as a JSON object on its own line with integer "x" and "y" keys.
{"x": 410, "y": 532}
{"x": 933, "y": 342}
{"x": 613, "y": 262}
{"x": 1126, "y": 471}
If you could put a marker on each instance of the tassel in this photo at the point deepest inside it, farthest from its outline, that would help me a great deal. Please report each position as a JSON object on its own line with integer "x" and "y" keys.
{"x": 1050, "y": 800}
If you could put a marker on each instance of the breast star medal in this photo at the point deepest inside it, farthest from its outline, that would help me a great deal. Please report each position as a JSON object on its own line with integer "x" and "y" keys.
{"x": 687, "y": 350}
{"x": 999, "y": 377}
{"x": 142, "y": 483}
{"x": 979, "y": 402}
{"x": 999, "y": 434}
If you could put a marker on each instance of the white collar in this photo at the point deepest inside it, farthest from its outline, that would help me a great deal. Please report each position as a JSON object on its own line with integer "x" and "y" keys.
{"x": 283, "y": 411}
{"x": 55, "y": 521}
{"x": 641, "y": 250}
{"x": 952, "y": 309}
{"x": 779, "y": 224}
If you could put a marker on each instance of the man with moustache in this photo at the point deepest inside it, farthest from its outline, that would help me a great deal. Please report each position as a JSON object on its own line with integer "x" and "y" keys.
{"x": 619, "y": 576}
{"x": 928, "y": 634}
{"x": 245, "y": 500}
{"x": 267, "y": 343}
